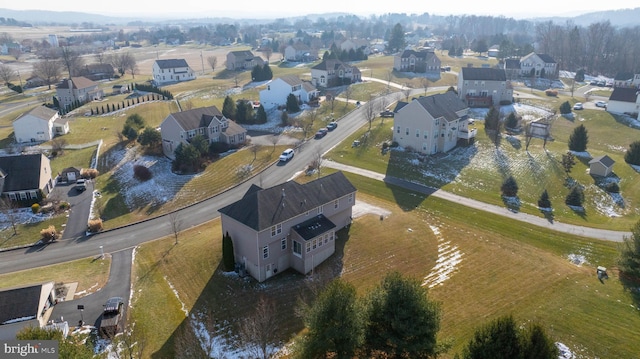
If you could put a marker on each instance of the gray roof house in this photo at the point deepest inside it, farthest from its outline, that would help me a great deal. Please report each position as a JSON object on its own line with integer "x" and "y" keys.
{"x": 538, "y": 65}
{"x": 25, "y": 306}
{"x": 624, "y": 100}
{"x": 333, "y": 72}
{"x": 289, "y": 225}
{"x": 432, "y": 124}
{"x": 484, "y": 87}
{"x": 181, "y": 127}
{"x": 25, "y": 178}
{"x": 601, "y": 166}
{"x": 242, "y": 60}
{"x": 79, "y": 89}
{"x": 39, "y": 124}
{"x": 417, "y": 61}
{"x": 172, "y": 71}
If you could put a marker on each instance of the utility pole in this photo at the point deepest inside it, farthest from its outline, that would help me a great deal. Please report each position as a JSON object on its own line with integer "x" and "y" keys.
{"x": 202, "y": 60}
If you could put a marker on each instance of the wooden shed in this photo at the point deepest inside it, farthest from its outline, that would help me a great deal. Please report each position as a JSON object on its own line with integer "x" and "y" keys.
{"x": 69, "y": 175}
{"x": 601, "y": 166}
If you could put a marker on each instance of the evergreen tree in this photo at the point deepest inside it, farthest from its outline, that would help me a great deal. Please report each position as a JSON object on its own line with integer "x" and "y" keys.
{"x": 334, "y": 323}
{"x": 396, "y": 41}
{"x": 200, "y": 144}
{"x": 229, "y": 108}
{"x": 292, "y": 104}
{"x": 266, "y": 72}
{"x": 579, "y": 75}
{"x": 629, "y": 260}
{"x": 543, "y": 201}
{"x": 537, "y": 345}
{"x": 284, "y": 119}
{"x": 578, "y": 139}
{"x": 496, "y": 340}
{"x": 186, "y": 158}
{"x": 68, "y": 347}
{"x": 256, "y": 73}
{"x": 129, "y": 132}
{"x": 402, "y": 321}
{"x": 509, "y": 187}
{"x": 241, "y": 112}
{"x": 492, "y": 120}
{"x": 568, "y": 161}
{"x": 150, "y": 137}
{"x": 228, "y": 259}
{"x": 565, "y": 108}
{"x": 511, "y": 121}
{"x": 261, "y": 115}
{"x": 632, "y": 156}
{"x": 575, "y": 197}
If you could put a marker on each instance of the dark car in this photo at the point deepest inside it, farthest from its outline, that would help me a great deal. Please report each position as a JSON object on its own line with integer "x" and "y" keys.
{"x": 112, "y": 316}
{"x": 386, "y": 113}
{"x": 321, "y": 132}
{"x": 332, "y": 126}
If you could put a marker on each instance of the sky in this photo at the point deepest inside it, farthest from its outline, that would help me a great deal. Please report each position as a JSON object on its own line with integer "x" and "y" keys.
{"x": 285, "y": 8}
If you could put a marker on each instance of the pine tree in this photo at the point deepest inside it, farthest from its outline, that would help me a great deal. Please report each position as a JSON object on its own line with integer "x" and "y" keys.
{"x": 229, "y": 108}
{"x": 492, "y": 120}
{"x": 496, "y": 340}
{"x": 629, "y": 260}
{"x": 261, "y": 115}
{"x": 565, "y": 108}
{"x": 575, "y": 197}
{"x": 292, "y": 104}
{"x": 509, "y": 187}
{"x": 543, "y": 201}
{"x": 632, "y": 156}
{"x": 228, "y": 259}
{"x": 568, "y": 161}
{"x": 578, "y": 139}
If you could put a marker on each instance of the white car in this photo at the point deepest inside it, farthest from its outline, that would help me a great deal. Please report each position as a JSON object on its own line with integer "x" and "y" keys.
{"x": 601, "y": 104}
{"x": 578, "y": 106}
{"x": 286, "y": 155}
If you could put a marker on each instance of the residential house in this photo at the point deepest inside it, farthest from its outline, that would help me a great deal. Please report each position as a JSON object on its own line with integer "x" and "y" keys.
{"x": 97, "y": 72}
{"x": 417, "y": 61}
{"x": 119, "y": 89}
{"x": 512, "y": 68}
{"x": 34, "y": 81}
{"x": 432, "y": 124}
{"x": 299, "y": 52}
{"x": 355, "y": 45}
{"x": 624, "y": 100}
{"x": 181, "y": 127}
{"x": 25, "y": 306}
{"x": 538, "y": 65}
{"x": 242, "y": 60}
{"x": 79, "y": 89}
{"x": 601, "y": 166}
{"x": 7, "y": 48}
{"x": 279, "y": 89}
{"x": 289, "y": 225}
{"x": 40, "y": 124}
{"x": 493, "y": 51}
{"x": 484, "y": 87}
{"x": 626, "y": 80}
{"x": 171, "y": 71}
{"x": 25, "y": 178}
{"x": 333, "y": 72}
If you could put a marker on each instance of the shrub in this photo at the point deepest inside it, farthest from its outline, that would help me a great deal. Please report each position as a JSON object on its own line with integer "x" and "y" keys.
{"x": 141, "y": 173}
{"x": 553, "y": 93}
{"x": 385, "y": 145}
{"x": 89, "y": 173}
{"x": 612, "y": 187}
{"x": 35, "y": 208}
{"x": 394, "y": 144}
{"x": 49, "y": 234}
{"x": 565, "y": 108}
{"x": 94, "y": 225}
{"x": 632, "y": 156}
{"x": 575, "y": 197}
{"x": 509, "y": 187}
{"x": 64, "y": 205}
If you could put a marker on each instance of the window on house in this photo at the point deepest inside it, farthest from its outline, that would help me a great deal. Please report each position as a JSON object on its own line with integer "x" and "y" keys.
{"x": 275, "y": 230}
{"x": 426, "y": 134}
{"x": 418, "y": 133}
{"x": 407, "y": 131}
{"x": 12, "y": 196}
{"x": 297, "y": 248}
{"x": 265, "y": 252}
{"x": 283, "y": 244}
{"x": 23, "y": 195}
{"x": 398, "y": 130}
{"x": 350, "y": 197}
{"x": 335, "y": 204}
{"x": 314, "y": 243}
{"x": 32, "y": 194}
{"x": 308, "y": 247}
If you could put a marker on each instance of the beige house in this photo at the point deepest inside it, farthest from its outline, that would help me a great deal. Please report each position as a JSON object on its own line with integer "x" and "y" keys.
{"x": 289, "y": 225}
{"x": 242, "y": 60}
{"x": 39, "y": 125}
{"x": 333, "y": 72}
{"x": 79, "y": 89}
{"x": 417, "y": 61}
{"x": 484, "y": 87}
{"x": 25, "y": 178}
{"x": 299, "y": 52}
{"x": 601, "y": 166}
{"x": 538, "y": 65}
{"x": 432, "y": 124}
{"x": 181, "y": 127}
{"x": 25, "y": 306}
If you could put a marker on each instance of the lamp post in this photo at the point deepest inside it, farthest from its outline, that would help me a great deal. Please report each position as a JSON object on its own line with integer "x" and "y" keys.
{"x": 101, "y": 252}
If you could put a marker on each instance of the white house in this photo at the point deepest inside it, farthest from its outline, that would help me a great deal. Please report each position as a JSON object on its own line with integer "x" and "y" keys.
{"x": 432, "y": 124}
{"x": 538, "y": 65}
{"x": 484, "y": 87}
{"x": 298, "y": 52}
{"x": 279, "y": 89}
{"x": 209, "y": 122}
{"x": 355, "y": 44}
{"x": 39, "y": 125}
{"x": 333, "y": 72}
{"x": 171, "y": 71}
{"x": 624, "y": 100}
{"x": 25, "y": 306}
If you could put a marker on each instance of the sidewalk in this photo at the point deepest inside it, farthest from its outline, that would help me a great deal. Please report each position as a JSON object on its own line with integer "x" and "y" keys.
{"x": 601, "y": 234}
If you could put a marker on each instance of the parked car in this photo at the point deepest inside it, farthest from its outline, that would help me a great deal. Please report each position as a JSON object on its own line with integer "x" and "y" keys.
{"x": 286, "y": 155}
{"x": 578, "y": 106}
{"x": 81, "y": 185}
{"x": 332, "y": 126}
{"x": 112, "y": 316}
{"x": 321, "y": 132}
{"x": 601, "y": 104}
{"x": 386, "y": 113}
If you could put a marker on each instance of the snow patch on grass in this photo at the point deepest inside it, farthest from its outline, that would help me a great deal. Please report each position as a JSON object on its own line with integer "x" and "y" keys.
{"x": 449, "y": 257}
{"x": 175, "y": 292}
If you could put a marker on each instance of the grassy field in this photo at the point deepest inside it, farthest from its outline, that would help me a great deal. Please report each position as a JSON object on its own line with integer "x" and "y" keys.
{"x": 505, "y": 267}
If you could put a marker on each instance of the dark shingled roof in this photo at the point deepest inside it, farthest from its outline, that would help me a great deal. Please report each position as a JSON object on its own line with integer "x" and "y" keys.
{"x": 513, "y": 64}
{"x": 260, "y": 208}
{"x": 79, "y": 82}
{"x": 547, "y": 58}
{"x": 420, "y": 54}
{"x": 313, "y": 227}
{"x": 624, "y": 94}
{"x": 624, "y": 76}
{"x": 19, "y": 303}
{"x": 22, "y": 172}
{"x": 443, "y": 105}
{"x": 605, "y": 160}
{"x": 330, "y": 64}
{"x": 197, "y": 118}
{"x": 485, "y": 74}
{"x": 172, "y": 63}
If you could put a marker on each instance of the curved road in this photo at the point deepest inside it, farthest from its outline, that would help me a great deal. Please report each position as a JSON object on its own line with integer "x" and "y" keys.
{"x": 137, "y": 233}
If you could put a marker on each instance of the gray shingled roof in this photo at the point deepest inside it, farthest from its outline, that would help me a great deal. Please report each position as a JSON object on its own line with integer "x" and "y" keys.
{"x": 624, "y": 94}
{"x": 330, "y": 64}
{"x": 313, "y": 227}
{"x": 197, "y": 118}
{"x": 546, "y": 58}
{"x": 604, "y": 159}
{"x": 443, "y": 105}
{"x": 484, "y": 74}
{"x": 79, "y": 82}
{"x": 260, "y": 208}
{"x": 41, "y": 112}
{"x": 512, "y": 64}
{"x": 233, "y": 129}
{"x": 22, "y": 172}
{"x": 291, "y": 80}
{"x": 19, "y": 303}
{"x": 419, "y": 54}
{"x": 172, "y": 63}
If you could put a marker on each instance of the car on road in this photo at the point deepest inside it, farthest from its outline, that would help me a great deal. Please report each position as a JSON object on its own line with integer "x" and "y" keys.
{"x": 286, "y": 155}
{"x": 601, "y": 104}
{"x": 578, "y": 106}
{"x": 81, "y": 185}
{"x": 321, "y": 132}
{"x": 112, "y": 316}
{"x": 386, "y": 113}
{"x": 332, "y": 125}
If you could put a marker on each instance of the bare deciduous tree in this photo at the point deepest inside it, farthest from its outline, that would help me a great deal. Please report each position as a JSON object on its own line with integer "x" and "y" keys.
{"x": 267, "y": 52}
{"x": 213, "y": 62}
{"x": 317, "y": 161}
{"x": 175, "y": 224}
{"x": 259, "y": 331}
{"x": 71, "y": 60}
{"x": 49, "y": 70}
{"x": 425, "y": 83}
{"x": 348, "y": 91}
{"x": 15, "y": 53}
{"x": 6, "y": 73}
{"x": 254, "y": 150}
{"x": 406, "y": 91}
{"x": 58, "y": 144}
{"x": 8, "y": 209}
{"x": 124, "y": 62}
{"x": 274, "y": 141}
{"x": 370, "y": 112}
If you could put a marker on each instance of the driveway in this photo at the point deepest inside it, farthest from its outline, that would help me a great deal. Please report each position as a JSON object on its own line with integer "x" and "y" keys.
{"x": 80, "y": 207}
